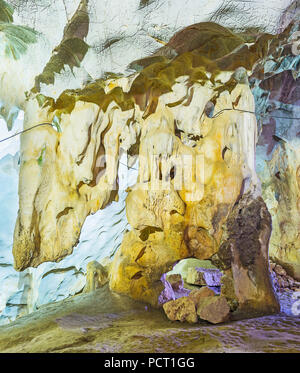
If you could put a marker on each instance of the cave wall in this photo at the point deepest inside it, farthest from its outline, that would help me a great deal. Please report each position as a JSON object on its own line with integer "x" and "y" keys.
{"x": 67, "y": 277}
{"x": 275, "y": 86}
{"x": 101, "y": 235}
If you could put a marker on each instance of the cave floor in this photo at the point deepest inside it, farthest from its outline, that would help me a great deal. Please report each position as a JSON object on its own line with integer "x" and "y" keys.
{"x": 105, "y": 322}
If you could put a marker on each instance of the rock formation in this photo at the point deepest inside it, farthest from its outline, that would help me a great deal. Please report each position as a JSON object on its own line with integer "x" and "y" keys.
{"x": 189, "y": 115}
{"x": 195, "y": 174}
{"x": 203, "y": 292}
{"x": 213, "y": 309}
{"x": 96, "y": 276}
{"x": 283, "y": 195}
{"x": 203, "y": 276}
{"x": 182, "y": 309}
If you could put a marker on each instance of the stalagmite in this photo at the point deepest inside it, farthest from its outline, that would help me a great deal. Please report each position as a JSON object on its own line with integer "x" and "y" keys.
{"x": 194, "y": 227}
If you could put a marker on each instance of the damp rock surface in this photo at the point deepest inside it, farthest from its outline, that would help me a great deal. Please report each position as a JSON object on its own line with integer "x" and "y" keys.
{"x": 105, "y": 322}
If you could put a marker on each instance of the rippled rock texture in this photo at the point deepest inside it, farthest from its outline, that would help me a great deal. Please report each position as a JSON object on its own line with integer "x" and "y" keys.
{"x": 108, "y": 323}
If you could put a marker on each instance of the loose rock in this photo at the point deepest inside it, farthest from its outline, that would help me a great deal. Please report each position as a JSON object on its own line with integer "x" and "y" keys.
{"x": 281, "y": 280}
{"x": 176, "y": 281}
{"x": 203, "y": 292}
{"x": 182, "y": 309}
{"x": 213, "y": 309}
{"x": 168, "y": 293}
{"x": 204, "y": 276}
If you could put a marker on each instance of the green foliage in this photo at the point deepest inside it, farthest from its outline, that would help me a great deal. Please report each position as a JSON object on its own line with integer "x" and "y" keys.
{"x": 6, "y": 12}
{"x": 14, "y": 39}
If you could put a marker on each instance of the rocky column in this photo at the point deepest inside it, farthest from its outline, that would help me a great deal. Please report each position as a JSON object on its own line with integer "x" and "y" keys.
{"x": 244, "y": 256}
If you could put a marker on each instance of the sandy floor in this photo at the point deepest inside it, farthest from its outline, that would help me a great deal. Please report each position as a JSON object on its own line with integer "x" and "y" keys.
{"x": 102, "y": 322}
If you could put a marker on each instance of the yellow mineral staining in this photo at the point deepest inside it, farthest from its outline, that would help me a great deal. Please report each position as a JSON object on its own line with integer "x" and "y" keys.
{"x": 191, "y": 171}
{"x": 187, "y": 216}
{"x": 138, "y": 265}
{"x": 192, "y": 167}
{"x": 283, "y": 194}
{"x": 96, "y": 276}
{"x": 55, "y": 198}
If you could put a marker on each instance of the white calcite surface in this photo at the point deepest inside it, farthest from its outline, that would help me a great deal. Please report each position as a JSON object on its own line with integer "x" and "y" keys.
{"x": 134, "y": 30}
{"x": 23, "y": 292}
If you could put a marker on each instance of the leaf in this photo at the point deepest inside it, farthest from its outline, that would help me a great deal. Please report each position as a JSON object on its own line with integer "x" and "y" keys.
{"x": 6, "y": 12}
{"x": 14, "y": 40}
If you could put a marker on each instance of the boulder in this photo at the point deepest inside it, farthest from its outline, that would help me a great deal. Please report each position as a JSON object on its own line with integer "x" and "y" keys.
{"x": 244, "y": 255}
{"x": 182, "y": 309}
{"x": 183, "y": 266}
{"x": 213, "y": 309}
{"x": 175, "y": 281}
{"x": 168, "y": 293}
{"x": 177, "y": 285}
{"x": 203, "y": 292}
{"x": 204, "y": 276}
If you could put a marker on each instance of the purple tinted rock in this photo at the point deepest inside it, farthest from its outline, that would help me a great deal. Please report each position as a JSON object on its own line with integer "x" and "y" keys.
{"x": 204, "y": 276}
{"x": 176, "y": 281}
{"x": 216, "y": 289}
{"x": 168, "y": 293}
{"x": 212, "y": 277}
{"x": 181, "y": 293}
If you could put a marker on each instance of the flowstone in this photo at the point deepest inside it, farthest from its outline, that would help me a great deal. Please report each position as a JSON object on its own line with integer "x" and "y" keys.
{"x": 189, "y": 118}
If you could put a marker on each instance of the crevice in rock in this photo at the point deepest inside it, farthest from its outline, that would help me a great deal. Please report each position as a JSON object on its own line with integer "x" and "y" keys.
{"x": 145, "y": 233}
{"x": 64, "y": 212}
